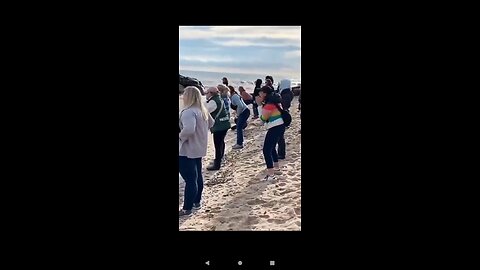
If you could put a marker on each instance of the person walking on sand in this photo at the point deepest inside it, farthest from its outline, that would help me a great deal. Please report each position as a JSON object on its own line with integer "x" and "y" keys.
{"x": 225, "y": 95}
{"x": 225, "y": 81}
{"x": 217, "y": 110}
{"x": 285, "y": 90}
{"x": 300, "y": 108}
{"x": 269, "y": 82}
{"x": 247, "y": 98}
{"x": 194, "y": 122}
{"x": 256, "y": 91}
{"x": 243, "y": 112}
{"x": 274, "y": 123}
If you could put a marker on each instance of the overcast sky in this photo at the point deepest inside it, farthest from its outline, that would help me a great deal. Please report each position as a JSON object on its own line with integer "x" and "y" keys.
{"x": 241, "y": 49}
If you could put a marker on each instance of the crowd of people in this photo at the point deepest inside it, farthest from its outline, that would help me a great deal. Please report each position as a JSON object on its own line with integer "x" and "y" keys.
{"x": 200, "y": 116}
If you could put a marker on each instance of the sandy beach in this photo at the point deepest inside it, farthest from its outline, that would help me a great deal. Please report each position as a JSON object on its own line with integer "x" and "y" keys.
{"x": 235, "y": 198}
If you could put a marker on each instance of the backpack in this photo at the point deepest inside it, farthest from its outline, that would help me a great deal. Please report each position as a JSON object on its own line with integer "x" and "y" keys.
{"x": 287, "y": 118}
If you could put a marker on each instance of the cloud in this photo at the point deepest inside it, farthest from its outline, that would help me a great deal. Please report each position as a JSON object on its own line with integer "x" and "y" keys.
{"x": 243, "y": 36}
{"x": 207, "y": 59}
{"x": 257, "y": 43}
{"x": 240, "y": 32}
{"x": 241, "y": 49}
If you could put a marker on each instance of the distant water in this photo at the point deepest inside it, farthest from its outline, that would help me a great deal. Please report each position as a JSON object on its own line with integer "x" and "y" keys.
{"x": 234, "y": 79}
{"x": 214, "y": 78}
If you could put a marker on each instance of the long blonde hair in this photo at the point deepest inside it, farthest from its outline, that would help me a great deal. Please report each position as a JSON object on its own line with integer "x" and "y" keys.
{"x": 193, "y": 98}
{"x": 224, "y": 91}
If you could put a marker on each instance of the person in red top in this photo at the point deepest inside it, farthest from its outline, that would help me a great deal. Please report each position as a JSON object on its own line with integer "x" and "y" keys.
{"x": 247, "y": 98}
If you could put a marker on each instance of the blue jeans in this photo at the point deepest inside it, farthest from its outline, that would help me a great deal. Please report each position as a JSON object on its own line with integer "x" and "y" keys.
{"x": 242, "y": 120}
{"x": 271, "y": 139}
{"x": 191, "y": 171}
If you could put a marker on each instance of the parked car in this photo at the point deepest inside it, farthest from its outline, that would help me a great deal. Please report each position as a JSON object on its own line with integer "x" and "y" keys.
{"x": 184, "y": 81}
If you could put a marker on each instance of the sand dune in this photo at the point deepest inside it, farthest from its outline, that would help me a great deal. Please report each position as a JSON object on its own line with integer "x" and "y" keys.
{"x": 235, "y": 198}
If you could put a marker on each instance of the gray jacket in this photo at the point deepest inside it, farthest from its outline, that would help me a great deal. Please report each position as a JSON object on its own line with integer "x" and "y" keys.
{"x": 193, "y": 137}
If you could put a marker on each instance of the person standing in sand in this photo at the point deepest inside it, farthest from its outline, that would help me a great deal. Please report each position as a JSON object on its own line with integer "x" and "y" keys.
{"x": 274, "y": 123}
{"x": 243, "y": 112}
{"x": 194, "y": 123}
{"x": 256, "y": 102}
{"x": 225, "y": 81}
{"x": 225, "y": 95}
{"x": 217, "y": 110}
{"x": 285, "y": 90}
{"x": 247, "y": 98}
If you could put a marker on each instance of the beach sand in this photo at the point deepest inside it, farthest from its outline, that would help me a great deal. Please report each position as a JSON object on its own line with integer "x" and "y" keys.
{"x": 235, "y": 198}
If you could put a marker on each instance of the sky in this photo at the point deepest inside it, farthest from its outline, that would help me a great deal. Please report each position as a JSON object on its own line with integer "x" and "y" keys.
{"x": 271, "y": 50}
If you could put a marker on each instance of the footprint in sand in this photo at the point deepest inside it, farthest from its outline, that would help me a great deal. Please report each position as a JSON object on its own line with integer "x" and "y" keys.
{"x": 236, "y": 218}
{"x": 222, "y": 219}
{"x": 269, "y": 204}
{"x": 252, "y": 220}
{"x": 253, "y": 182}
{"x": 297, "y": 211}
{"x": 291, "y": 173}
{"x": 282, "y": 184}
{"x": 255, "y": 202}
{"x": 286, "y": 192}
{"x": 215, "y": 210}
{"x": 276, "y": 221}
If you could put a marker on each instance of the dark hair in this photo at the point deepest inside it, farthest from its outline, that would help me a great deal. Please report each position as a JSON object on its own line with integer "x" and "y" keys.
{"x": 269, "y": 77}
{"x": 232, "y": 90}
{"x": 266, "y": 89}
{"x": 258, "y": 82}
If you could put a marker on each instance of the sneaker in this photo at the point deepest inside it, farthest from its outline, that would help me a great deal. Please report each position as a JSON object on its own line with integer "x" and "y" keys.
{"x": 270, "y": 178}
{"x": 237, "y": 146}
{"x": 213, "y": 167}
{"x": 197, "y": 206}
{"x": 184, "y": 212}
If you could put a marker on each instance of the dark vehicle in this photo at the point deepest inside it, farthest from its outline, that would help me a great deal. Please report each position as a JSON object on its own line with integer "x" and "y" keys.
{"x": 187, "y": 81}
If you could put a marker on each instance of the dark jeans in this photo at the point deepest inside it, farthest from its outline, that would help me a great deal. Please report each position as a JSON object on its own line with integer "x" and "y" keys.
{"x": 251, "y": 101}
{"x": 287, "y": 97}
{"x": 271, "y": 139}
{"x": 255, "y": 108}
{"x": 281, "y": 146}
{"x": 191, "y": 171}
{"x": 219, "y": 142}
{"x": 242, "y": 120}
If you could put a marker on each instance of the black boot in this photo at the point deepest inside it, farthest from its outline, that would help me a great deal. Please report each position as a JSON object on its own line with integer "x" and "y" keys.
{"x": 215, "y": 166}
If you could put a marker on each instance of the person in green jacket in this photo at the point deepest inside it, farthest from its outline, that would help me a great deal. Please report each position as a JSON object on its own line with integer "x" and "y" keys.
{"x": 216, "y": 108}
